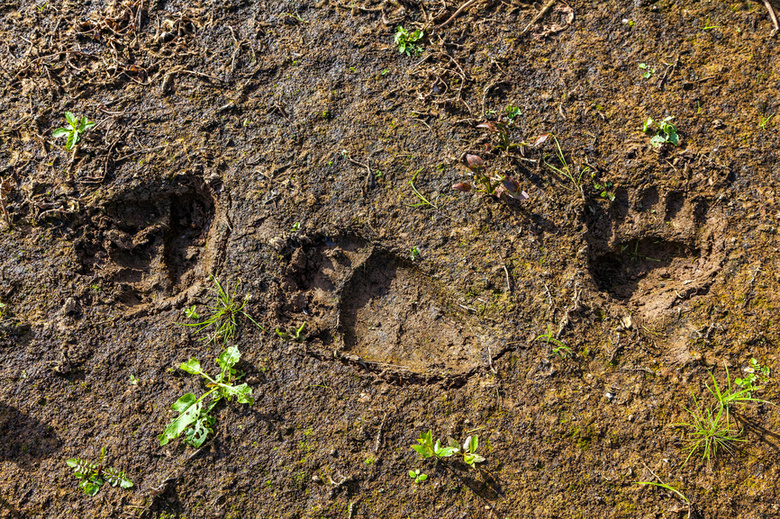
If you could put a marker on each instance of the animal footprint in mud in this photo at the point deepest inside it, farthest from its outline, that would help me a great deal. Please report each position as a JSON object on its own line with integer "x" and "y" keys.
{"x": 148, "y": 238}
{"x": 387, "y": 312}
{"x": 662, "y": 253}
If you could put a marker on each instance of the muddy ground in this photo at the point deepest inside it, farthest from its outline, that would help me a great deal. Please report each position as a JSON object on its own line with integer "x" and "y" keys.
{"x": 292, "y": 151}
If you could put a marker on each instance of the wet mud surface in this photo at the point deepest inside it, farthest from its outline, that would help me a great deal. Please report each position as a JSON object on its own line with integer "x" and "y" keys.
{"x": 290, "y": 150}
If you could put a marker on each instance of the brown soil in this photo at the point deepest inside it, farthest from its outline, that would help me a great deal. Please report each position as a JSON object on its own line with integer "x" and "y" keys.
{"x": 278, "y": 144}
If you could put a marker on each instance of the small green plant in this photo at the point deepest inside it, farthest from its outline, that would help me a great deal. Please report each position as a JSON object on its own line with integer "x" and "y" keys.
{"x": 133, "y": 380}
{"x": 191, "y": 313}
{"x": 764, "y": 121}
{"x": 194, "y": 418}
{"x": 414, "y": 253}
{"x": 755, "y": 373}
{"x": 565, "y": 168}
{"x": 558, "y": 348}
{"x": 731, "y": 395}
{"x": 469, "y": 451}
{"x": 223, "y": 313}
{"x": 407, "y": 43}
{"x": 423, "y": 201}
{"x": 649, "y": 71}
{"x": 489, "y": 183}
{"x": 295, "y": 334}
{"x": 605, "y": 189}
{"x": 708, "y": 27}
{"x": 2, "y": 310}
{"x": 74, "y": 133}
{"x": 711, "y": 431}
{"x": 512, "y": 112}
{"x": 666, "y": 132}
{"x": 417, "y": 476}
{"x": 711, "y": 427}
{"x": 296, "y": 227}
{"x": 427, "y": 449}
{"x": 94, "y": 475}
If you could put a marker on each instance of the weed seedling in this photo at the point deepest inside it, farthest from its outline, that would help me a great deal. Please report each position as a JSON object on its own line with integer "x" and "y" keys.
{"x": 605, "y": 189}
{"x": 223, "y": 312}
{"x": 512, "y": 112}
{"x": 417, "y": 476}
{"x": 77, "y": 128}
{"x": 407, "y": 43}
{"x": 559, "y": 349}
{"x": 666, "y": 132}
{"x": 731, "y": 395}
{"x": 490, "y": 184}
{"x": 711, "y": 431}
{"x": 649, "y": 71}
{"x": 423, "y": 201}
{"x": 414, "y": 253}
{"x": 194, "y": 419}
{"x": 565, "y": 169}
{"x": 295, "y": 334}
{"x": 94, "y": 475}
{"x": 762, "y": 123}
{"x": 755, "y": 373}
{"x": 427, "y": 449}
{"x": 469, "y": 451}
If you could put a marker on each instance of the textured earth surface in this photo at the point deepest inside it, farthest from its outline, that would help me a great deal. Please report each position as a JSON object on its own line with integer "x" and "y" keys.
{"x": 291, "y": 151}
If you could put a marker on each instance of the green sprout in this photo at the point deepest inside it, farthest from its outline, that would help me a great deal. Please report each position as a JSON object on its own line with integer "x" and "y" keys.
{"x": 605, "y": 189}
{"x": 755, "y": 373}
{"x": 94, "y": 475}
{"x": 295, "y": 334}
{"x": 417, "y": 476}
{"x": 194, "y": 419}
{"x": 666, "y": 132}
{"x": 77, "y": 128}
{"x": 711, "y": 432}
{"x": 512, "y": 112}
{"x": 560, "y": 349}
{"x": 731, "y": 395}
{"x": 565, "y": 168}
{"x": 649, "y": 71}
{"x": 423, "y": 201}
{"x": 428, "y": 449}
{"x": 223, "y": 313}
{"x": 407, "y": 43}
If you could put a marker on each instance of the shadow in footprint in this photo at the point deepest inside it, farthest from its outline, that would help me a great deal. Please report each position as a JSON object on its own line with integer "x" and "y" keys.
{"x": 24, "y": 439}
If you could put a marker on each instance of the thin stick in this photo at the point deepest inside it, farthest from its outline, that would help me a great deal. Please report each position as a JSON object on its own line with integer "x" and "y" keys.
{"x": 457, "y": 13}
{"x": 772, "y": 14}
{"x": 539, "y": 16}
